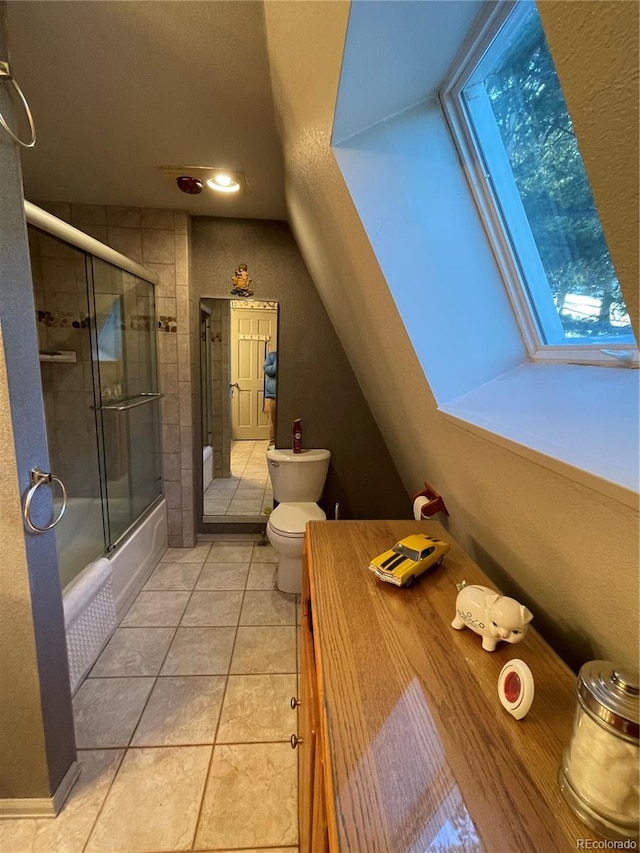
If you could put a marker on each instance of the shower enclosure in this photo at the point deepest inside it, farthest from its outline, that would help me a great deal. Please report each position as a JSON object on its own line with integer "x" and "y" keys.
{"x": 97, "y": 341}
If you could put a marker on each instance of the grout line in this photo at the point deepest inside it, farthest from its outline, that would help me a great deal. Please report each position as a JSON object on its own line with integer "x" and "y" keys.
{"x": 222, "y": 701}
{"x": 109, "y": 787}
{"x": 135, "y": 728}
{"x": 226, "y": 676}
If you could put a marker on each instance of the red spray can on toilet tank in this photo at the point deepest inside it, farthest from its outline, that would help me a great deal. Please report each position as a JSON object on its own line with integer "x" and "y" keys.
{"x": 297, "y": 435}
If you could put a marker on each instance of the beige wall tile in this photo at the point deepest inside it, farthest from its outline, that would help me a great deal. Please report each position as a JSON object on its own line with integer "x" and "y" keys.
{"x": 186, "y": 456}
{"x": 98, "y": 232}
{"x": 168, "y": 378}
{"x": 174, "y": 527}
{"x": 188, "y": 528}
{"x": 165, "y": 306}
{"x": 127, "y": 241}
{"x": 153, "y": 217}
{"x": 158, "y": 247}
{"x": 167, "y": 347}
{"x": 184, "y": 357}
{"x": 186, "y": 482}
{"x": 59, "y": 274}
{"x": 173, "y": 494}
{"x": 171, "y": 466}
{"x": 88, "y": 214}
{"x": 169, "y": 408}
{"x": 182, "y": 260}
{"x": 61, "y": 209}
{"x": 170, "y": 438}
{"x": 182, "y": 309}
{"x": 181, "y": 218}
{"x": 185, "y": 404}
{"x": 166, "y": 286}
{"x": 123, "y": 217}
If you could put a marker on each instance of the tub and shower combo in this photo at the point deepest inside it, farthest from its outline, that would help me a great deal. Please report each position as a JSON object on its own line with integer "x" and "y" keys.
{"x": 97, "y": 341}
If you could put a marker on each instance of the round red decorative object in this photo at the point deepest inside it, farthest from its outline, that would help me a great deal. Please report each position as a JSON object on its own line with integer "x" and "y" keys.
{"x": 512, "y": 687}
{"x": 516, "y": 688}
{"x": 186, "y": 184}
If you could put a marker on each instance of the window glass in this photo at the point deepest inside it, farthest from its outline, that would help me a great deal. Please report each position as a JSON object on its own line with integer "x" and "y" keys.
{"x": 535, "y": 175}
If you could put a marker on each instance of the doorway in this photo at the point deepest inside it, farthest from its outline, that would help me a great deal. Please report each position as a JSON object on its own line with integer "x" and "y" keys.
{"x": 235, "y": 338}
{"x": 253, "y": 334}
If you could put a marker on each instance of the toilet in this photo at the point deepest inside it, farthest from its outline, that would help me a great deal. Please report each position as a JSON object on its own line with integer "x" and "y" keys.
{"x": 297, "y": 480}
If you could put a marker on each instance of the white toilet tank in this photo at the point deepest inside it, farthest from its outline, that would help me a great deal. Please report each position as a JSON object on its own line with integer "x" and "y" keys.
{"x": 298, "y": 477}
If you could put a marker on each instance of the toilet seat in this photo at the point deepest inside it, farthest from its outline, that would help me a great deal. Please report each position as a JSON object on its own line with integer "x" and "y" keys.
{"x": 289, "y": 519}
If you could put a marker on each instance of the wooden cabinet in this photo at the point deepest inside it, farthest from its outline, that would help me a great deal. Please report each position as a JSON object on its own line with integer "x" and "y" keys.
{"x": 405, "y": 744}
{"x": 308, "y": 715}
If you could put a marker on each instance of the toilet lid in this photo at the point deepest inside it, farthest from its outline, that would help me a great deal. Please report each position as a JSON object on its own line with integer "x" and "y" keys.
{"x": 289, "y": 519}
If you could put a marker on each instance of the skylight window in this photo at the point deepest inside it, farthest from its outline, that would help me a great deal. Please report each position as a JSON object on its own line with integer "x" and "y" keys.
{"x": 508, "y": 116}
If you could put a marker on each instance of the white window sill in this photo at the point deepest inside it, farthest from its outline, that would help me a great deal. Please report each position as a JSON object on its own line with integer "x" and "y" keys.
{"x": 580, "y": 421}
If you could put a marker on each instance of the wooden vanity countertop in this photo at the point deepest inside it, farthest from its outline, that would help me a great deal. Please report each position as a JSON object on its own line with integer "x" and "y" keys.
{"x": 420, "y": 753}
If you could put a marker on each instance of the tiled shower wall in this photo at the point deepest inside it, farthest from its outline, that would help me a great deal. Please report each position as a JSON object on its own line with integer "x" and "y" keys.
{"x": 158, "y": 239}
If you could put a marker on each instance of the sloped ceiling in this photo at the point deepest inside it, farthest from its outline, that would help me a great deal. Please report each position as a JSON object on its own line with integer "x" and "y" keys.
{"x": 120, "y": 88}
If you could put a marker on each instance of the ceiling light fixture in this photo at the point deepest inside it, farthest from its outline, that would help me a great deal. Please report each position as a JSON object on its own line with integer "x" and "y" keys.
{"x": 218, "y": 178}
{"x": 189, "y": 185}
{"x": 222, "y": 182}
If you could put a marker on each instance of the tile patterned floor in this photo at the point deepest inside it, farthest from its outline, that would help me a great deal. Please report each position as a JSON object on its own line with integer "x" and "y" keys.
{"x": 184, "y": 721}
{"x": 248, "y": 491}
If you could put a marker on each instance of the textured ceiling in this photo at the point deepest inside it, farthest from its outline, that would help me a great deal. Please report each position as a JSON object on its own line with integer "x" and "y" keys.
{"x": 118, "y": 89}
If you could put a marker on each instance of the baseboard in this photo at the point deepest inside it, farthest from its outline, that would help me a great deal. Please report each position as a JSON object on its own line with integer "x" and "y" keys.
{"x": 42, "y": 806}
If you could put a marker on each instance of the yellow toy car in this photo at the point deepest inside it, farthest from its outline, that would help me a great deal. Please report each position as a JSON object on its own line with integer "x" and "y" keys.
{"x": 409, "y": 558}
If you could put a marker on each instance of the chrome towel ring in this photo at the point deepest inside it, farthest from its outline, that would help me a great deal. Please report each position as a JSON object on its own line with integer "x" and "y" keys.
{"x": 5, "y": 74}
{"x": 39, "y": 477}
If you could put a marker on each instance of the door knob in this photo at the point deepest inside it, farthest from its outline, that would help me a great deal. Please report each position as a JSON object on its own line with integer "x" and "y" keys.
{"x": 294, "y": 703}
{"x": 295, "y": 741}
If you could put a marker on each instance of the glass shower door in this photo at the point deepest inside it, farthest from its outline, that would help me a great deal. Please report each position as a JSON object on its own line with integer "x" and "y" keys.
{"x": 126, "y": 386}
{"x": 59, "y": 273}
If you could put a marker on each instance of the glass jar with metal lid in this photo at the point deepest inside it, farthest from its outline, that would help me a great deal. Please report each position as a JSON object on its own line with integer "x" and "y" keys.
{"x": 599, "y": 771}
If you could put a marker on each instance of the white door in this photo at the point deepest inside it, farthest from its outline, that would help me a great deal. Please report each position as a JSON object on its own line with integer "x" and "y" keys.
{"x": 253, "y": 335}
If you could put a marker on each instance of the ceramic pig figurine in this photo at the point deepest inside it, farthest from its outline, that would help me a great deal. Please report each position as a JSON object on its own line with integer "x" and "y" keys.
{"x": 495, "y": 617}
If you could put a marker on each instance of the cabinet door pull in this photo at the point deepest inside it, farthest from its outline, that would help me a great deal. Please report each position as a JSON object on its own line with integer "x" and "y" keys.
{"x": 295, "y": 741}
{"x": 294, "y": 703}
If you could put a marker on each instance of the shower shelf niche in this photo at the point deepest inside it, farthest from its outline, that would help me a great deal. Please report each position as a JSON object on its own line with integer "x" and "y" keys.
{"x": 65, "y": 356}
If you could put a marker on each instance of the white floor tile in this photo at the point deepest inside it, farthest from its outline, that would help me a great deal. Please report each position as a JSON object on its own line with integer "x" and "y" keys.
{"x": 181, "y": 710}
{"x": 107, "y": 710}
{"x": 200, "y": 651}
{"x": 134, "y": 651}
{"x": 250, "y": 798}
{"x": 154, "y": 801}
{"x": 69, "y": 831}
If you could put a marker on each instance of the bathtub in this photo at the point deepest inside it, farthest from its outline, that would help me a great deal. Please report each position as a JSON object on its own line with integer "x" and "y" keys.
{"x": 96, "y": 600}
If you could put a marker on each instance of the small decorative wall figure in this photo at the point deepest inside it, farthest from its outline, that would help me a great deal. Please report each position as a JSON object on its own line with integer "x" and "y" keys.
{"x": 241, "y": 282}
